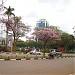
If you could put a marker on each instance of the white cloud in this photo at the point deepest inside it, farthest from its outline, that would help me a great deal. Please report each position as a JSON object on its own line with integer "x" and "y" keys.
{"x": 57, "y": 12}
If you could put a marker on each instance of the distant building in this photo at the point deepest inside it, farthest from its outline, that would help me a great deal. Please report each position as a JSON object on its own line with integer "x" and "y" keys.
{"x": 42, "y": 23}
{"x": 54, "y": 27}
{"x": 2, "y": 41}
{"x": 2, "y": 35}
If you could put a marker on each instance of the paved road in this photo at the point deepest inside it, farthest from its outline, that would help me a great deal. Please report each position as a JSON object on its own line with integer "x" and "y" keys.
{"x": 61, "y": 66}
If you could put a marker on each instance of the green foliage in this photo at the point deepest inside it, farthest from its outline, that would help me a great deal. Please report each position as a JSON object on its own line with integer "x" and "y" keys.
{"x": 3, "y": 47}
{"x": 21, "y": 44}
{"x": 67, "y": 41}
{"x": 1, "y": 57}
{"x": 17, "y": 49}
{"x": 7, "y": 58}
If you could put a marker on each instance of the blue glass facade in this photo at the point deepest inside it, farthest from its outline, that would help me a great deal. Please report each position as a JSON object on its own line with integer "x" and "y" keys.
{"x": 42, "y": 23}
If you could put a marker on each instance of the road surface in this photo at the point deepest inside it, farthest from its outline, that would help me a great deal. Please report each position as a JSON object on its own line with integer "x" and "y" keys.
{"x": 61, "y": 66}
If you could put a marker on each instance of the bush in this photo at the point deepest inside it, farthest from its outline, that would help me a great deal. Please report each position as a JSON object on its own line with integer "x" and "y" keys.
{"x": 36, "y": 58}
{"x": 17, "y": 49}
{"x": 1, "y": 57}
{"x": 3, "y": 48}
{"x": 24, "y": 52}
{"x": 28, "y": 58}
{"x": 8, "y": 58}
{"x": 69, "y": 51}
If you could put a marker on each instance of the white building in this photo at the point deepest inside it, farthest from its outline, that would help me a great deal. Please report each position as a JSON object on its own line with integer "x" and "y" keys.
{"x": 2, "y": 34}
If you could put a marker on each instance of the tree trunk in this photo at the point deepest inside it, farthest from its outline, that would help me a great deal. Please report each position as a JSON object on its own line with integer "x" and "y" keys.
{"x": 14, "y": 44}
{"x": 44, "y": 53}
{"x": 44, "y": 50}
{"x": 7, "y": 24}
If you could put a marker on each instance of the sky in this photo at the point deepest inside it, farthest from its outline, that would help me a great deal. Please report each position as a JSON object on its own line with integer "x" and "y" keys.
{"x": 57, "y": 12}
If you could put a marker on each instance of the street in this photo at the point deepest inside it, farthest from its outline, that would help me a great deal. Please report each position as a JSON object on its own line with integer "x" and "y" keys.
{"x": 61, "y": 66}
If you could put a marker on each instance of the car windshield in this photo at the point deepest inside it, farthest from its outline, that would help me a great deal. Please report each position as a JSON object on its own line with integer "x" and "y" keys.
{"x": 37, "y": 50}
{"x": 52, "y": 50}
{"x": 57, "y": 51}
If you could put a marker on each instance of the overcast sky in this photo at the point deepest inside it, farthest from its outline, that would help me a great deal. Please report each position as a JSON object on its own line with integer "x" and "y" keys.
{"x": 57, "y": 12}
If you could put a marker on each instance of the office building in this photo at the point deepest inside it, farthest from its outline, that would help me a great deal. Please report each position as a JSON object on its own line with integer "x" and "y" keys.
{"x": 42, "y": 23}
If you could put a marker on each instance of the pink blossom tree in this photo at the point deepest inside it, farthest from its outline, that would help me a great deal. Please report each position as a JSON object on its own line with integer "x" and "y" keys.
{"x": 17, "y": 27}
{"x": 46, "y": 34}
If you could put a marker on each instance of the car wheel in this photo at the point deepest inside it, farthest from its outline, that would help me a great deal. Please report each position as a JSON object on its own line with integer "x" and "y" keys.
{"x": 39, "y": 53}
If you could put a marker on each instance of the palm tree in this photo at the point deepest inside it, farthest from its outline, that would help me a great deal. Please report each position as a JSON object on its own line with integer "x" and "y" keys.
{"x": 9, "y": 13}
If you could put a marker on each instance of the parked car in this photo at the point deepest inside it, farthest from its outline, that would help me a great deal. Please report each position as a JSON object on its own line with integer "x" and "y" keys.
{"x": 26, "y": 49}
{"x": 55, "y": 52}
{"x": 35, "y": 52}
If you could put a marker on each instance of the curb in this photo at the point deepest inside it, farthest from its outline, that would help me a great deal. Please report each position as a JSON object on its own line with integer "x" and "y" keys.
{"x": 32, "y": 58}
{"x": 21, "y": 59}
{"x": 12, "y": 59}
{"x": 1, "y": 59}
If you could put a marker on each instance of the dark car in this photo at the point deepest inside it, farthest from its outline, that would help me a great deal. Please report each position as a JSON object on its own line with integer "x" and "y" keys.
{"x": 26, "y": 49}
{"x": 55, "y": 52}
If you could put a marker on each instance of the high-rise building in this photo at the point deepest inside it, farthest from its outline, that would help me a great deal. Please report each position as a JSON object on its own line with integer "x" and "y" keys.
{"x": 42, "y": 23}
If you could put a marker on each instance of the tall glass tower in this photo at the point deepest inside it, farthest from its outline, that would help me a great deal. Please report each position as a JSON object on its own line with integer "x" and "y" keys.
{"x": 42, "y": 23}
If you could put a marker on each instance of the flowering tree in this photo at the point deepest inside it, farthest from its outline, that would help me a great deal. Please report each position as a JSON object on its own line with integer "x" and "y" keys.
{"x": 17, "y": 27}
{"x": 46, "y": 34}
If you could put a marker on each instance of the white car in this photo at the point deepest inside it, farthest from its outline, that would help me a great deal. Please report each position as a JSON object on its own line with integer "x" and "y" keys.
{"x": 35, "y": 52}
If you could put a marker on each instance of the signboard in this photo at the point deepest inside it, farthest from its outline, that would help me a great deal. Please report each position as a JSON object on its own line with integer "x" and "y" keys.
{"x": 61, "y": 48}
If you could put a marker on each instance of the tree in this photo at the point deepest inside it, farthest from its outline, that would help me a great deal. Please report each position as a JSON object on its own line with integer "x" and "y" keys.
{"x": 17, "y": 27}
{"x": 14, "y": 24}
{"x": 67, "y": 41}
{"x": 45, "y": 35}
{"x": 8, "y": 13}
